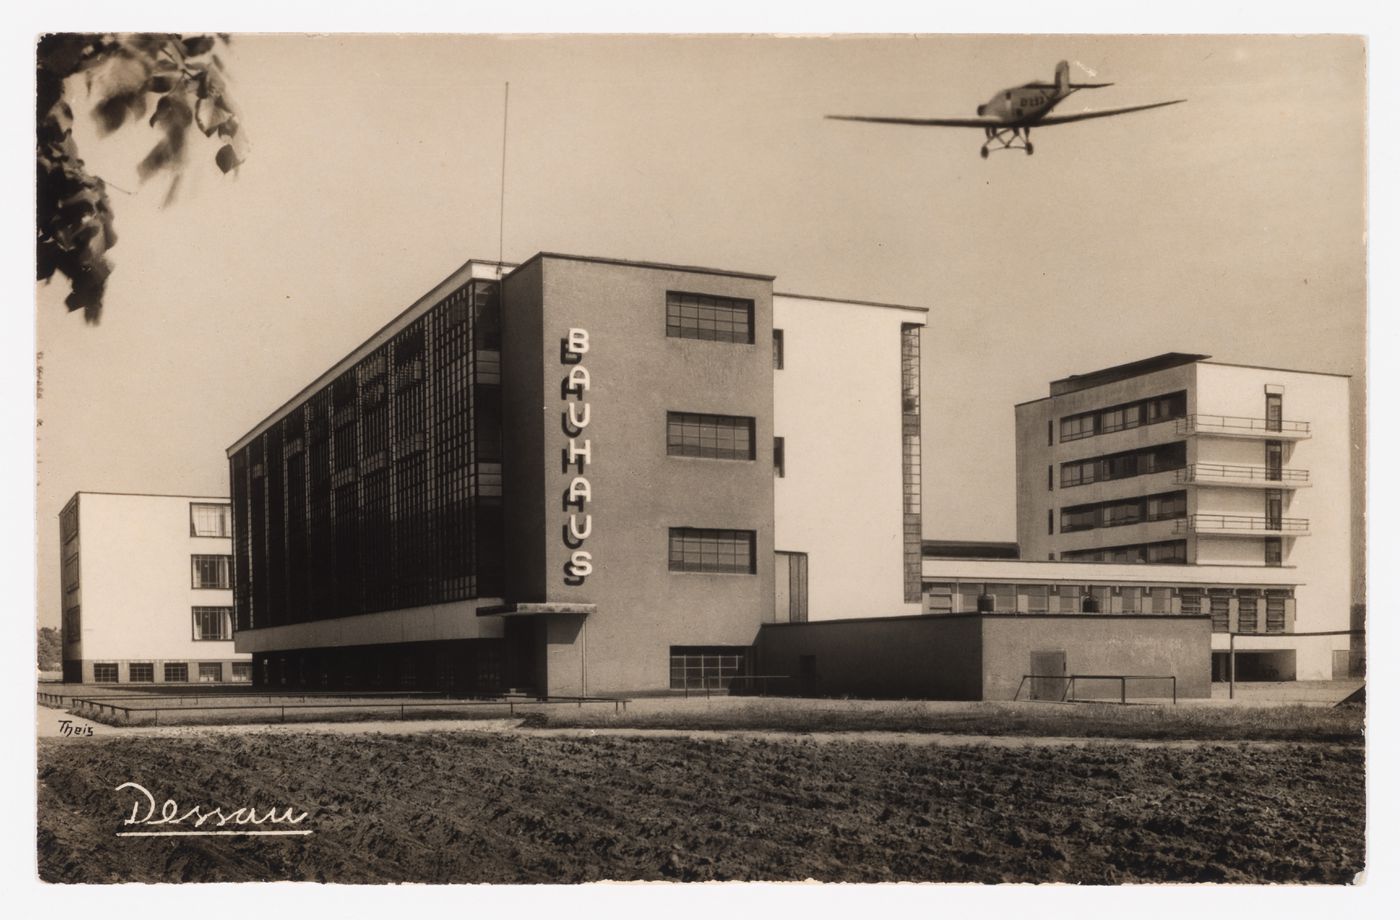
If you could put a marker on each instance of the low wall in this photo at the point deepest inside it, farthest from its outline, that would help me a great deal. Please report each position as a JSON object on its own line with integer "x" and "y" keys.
{"x": 984, "y": 656}
{"x": 1098, "y": 644}
{"x": 917, "y": 657}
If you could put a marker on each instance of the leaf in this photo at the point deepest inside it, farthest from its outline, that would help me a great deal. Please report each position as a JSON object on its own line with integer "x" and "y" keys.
{"x": 227, "y": 158}
{"x": 161, "y": 83}
{"x": 199, "y": 44}
{"x": 111, "y": 113}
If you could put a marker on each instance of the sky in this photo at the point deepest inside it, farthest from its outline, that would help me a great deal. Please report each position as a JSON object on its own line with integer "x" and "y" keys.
{"x": 1232, "y": 225}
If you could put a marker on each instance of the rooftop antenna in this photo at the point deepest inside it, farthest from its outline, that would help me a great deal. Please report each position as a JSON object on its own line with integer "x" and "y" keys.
{"x": 501, "y": 232}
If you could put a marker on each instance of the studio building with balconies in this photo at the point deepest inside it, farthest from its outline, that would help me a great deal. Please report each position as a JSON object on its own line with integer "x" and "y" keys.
{"x": 1182, "y": 460}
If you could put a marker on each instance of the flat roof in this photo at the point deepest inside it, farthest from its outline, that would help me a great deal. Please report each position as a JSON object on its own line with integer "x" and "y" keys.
{"x": 1281, "y": 370}
{"x": 856, "y": 303}
{"x": 660, "y": 266}
{"x": 459, "y": 276}
{"x": 1076, "y": 382}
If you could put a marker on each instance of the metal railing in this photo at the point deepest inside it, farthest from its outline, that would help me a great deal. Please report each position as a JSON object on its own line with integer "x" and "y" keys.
{"x": 1230, "y": 472}
{"x": 1198, "y": 523}
{"x": 100, "y": 706}
{"x": 1068, "y": 681}
{"x": 1236, "y": 424}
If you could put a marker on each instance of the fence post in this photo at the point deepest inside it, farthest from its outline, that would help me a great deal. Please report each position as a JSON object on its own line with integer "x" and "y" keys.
{"x": 1123, "y": 690}
{"x": 1173, "y": 689}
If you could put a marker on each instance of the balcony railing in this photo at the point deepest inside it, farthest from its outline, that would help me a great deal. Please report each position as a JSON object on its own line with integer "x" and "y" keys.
{"x": 1238, "y": 425}
{"x": 1260, "y": 523}
{"x": 1229, "y": 472}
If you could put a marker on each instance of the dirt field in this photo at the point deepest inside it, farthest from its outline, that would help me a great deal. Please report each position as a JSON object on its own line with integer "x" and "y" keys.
{"x": 503, "y": 807}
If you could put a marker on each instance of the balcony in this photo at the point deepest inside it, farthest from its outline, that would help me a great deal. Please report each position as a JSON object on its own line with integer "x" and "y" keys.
{"x": 1242, "y": 525}
{"x": 1234, "y": 426}
{"x": 1238, "y": 476}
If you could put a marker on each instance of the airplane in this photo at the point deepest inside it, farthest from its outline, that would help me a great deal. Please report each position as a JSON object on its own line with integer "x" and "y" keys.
{"x": 1009, "y": 115}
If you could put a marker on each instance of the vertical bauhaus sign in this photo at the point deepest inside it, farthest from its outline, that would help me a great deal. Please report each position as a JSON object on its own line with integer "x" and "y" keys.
{"x": 577, "y": 455}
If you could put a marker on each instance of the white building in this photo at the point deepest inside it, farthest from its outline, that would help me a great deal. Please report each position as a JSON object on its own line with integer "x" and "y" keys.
{"x": 847, "y": 526}
{"x": 1181, "y": 460}
{"x": 147, "y": 590}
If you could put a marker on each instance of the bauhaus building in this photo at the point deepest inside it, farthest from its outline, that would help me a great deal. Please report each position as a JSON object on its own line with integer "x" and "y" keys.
{"x": 577, "y": 476}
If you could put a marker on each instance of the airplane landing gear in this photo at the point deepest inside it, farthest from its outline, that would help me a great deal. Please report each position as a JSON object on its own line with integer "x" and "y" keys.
{"x": 1007, "y": 139}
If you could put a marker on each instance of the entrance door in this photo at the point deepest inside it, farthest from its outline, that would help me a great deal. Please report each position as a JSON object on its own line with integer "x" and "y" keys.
{"x": 1048, "y": 675}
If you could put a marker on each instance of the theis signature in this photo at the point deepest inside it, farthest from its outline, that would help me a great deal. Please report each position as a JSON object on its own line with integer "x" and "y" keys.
{"x": 205, "y": 820}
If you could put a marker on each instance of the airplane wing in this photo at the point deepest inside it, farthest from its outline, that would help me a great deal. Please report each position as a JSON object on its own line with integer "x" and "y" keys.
{"x": 1104, "y": 113}
{"x": 930, "y": 122}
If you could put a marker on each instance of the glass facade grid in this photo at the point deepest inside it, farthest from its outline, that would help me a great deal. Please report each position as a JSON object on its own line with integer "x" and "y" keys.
{"x": 383, "y": 489}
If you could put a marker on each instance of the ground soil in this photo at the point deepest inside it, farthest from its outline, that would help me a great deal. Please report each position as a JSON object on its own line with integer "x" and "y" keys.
{"x": 513, "y": 807}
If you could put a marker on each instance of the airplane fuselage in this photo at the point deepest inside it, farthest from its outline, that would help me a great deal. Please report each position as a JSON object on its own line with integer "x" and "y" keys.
{"x": 1022, "y": 105}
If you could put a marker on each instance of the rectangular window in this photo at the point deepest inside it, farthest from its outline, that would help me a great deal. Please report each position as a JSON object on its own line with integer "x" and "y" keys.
{"x": 1050, "y": 432}
{"x": 714, "y": 319}
{"x": 1037, "y": 598}
{"x": 243, "y": 671}
{"x": 1050, "y": 477}
{"x": 1190, "y": 601}
{"x": 1273, "y": 460}
{"x": 213, "y": 623}
{"x": 1219, "y": 613}
{"x": 1069, "y": 598}
{"x": 141, "y": 672}
{"x": 1273, "y": 614}
{"x": 1273, "y": 550}
{"x": 1273, "y": 411}
{"x": 701, "y": 667}
{"x": 1273, "y": 509}
{"x": 211, "y": 672}
{"x": 209, "y": 571}
{"x": 1050, "y": 521}
{"x": 722, "y": 437}
{"x": 718, "y": 551}
{"x": 1132, "y": 599}
{"x": 1249, "y": 614}
{"x": 1074, "y": 427}
{"x": 1161, "y": 600}
{"x": 207, "y": 520}
{"x": 1003, "y": 597}
{"x": 104, "y": 672}
{"x": 938, "y": 597}
{"x": 177, "y": 673}
{"x": 779, "y": 457}
{"x": 777, "y": 349}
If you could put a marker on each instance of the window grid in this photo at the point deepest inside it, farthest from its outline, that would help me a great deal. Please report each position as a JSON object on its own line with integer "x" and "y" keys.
{"x": 777, "y": 349}
{"x": 242, "y": 671}
{"x": 210, "y": 571}
{"x": 721, "y": 437}
{"x": 177, "y": 672}
{"x": 213, "y": 623}
{"x": 211, "y": 672}
{"x": 714, "y": 319}
{"x": 1166, "y": 551}
{"x": 1120, "y": 418}
{"x": 696, "y": 667}
{"x": 104, "y": 672}
{"x": 1273, "y": 614}
{"x": 716, "y": 551}
{"x": 210, "y": 520}
{"x": 1219, "y": 613}
{"x": 141, "y": 672}
{"x": 1249, "y": 615}
{"x": 912, "y": 447}
{"x": 780, "y": 457}
{"x": 1126, "y": 465}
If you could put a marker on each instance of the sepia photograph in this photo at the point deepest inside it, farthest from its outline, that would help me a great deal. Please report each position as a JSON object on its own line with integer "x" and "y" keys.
{"x": 555, "y": 458}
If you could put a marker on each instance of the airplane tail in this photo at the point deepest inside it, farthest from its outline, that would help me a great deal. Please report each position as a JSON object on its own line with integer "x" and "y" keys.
{"x": 1062, "y": 77}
